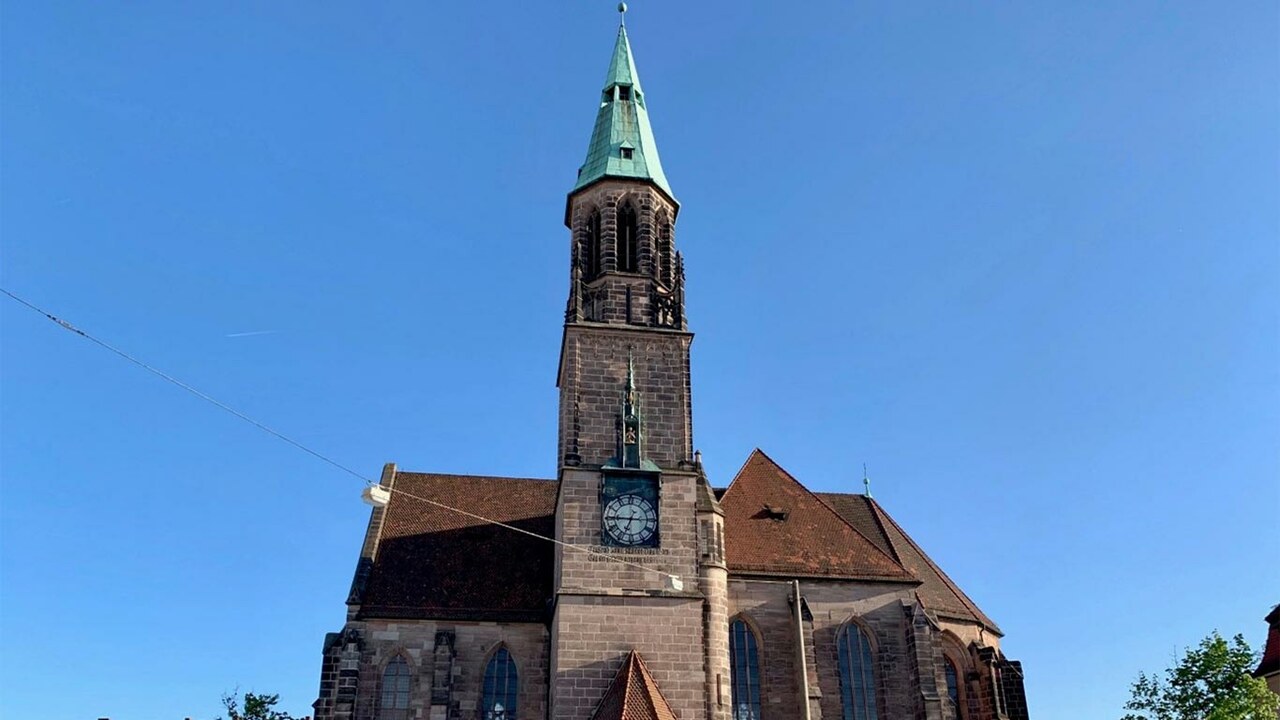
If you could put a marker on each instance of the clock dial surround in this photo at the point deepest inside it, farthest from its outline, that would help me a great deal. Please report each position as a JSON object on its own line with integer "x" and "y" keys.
{"x": 631, "y": 520}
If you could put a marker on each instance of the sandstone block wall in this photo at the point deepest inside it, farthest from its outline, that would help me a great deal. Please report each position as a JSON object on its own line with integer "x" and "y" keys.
{"x": 878, "y": 607}
{"x": 578, "y": 522}
{"x": 460, "y": 685}
{"x": 652, "y": 211}
{"x": 593, "y": 374}
{"x": 593, "y": 634}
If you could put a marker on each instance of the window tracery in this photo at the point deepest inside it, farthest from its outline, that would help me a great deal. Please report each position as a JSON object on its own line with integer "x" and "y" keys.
{"x": 501, "y": 684}
{"x": 744, "y": 671}
{"x": 857, "y": 673}
{"x": 395, "y": 691}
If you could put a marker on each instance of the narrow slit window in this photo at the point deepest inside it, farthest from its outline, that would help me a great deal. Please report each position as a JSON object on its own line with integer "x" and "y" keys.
{"x": 628, "y": 239}
{"x": 662, "y": 261}
{"x": 591, "y": 247}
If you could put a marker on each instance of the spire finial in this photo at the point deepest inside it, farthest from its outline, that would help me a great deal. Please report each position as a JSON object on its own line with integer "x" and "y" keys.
{"x": 866, "y": 481}
{"x": 622, "y": 13}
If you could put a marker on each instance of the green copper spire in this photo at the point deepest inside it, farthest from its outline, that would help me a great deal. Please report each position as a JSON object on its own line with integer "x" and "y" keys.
{"x": 622, "y": 143}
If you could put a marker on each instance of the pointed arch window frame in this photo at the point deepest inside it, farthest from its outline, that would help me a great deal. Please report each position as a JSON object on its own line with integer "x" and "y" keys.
{"x": 856, "y": 667}
{"x": 744, "y": 669}
{"x": 663, "y": 250}
{"x": 955, "y": 668}
{"x": 591, "y": 245}
{"x": 627, "y": 236}
{"x": 395, "y": 685}
{"x": 501, "y": 683}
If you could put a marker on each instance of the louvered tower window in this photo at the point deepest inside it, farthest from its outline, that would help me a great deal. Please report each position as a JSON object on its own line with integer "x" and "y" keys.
{"x": 395, "y": 691}
{"x": 662, "y": 259}
{"x": 744, "y": 672}
{"x": 500, "y": 687}
{"x": 857, "y": 674}
{"x": 628, "y": 240}
{"x": 591, "y": 247}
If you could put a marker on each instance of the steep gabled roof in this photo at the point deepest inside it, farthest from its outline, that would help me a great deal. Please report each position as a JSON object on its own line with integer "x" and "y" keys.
{"x": 435, "y": 563}
{"x": 633, "y": 695}
{"x": 776, "y": 526}
{"x": 937, "y": 592}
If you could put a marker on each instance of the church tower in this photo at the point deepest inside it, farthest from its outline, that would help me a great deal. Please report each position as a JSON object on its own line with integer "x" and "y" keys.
{"x": 629, "y": 483}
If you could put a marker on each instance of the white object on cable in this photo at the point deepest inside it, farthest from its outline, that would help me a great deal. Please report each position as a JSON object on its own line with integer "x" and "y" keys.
{"x": 376, "y": 495}
{"x": 675, "y": 583}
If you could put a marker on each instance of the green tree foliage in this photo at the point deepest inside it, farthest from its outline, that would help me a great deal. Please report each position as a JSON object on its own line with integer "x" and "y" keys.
{"x": 256, "y": 707}
{"x": 1211, "y": 682}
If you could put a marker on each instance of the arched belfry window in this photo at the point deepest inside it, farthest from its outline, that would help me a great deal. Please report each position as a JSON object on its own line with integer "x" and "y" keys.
{"x": 500, "y": 687}
{"x": 953, "y": 686}
{"x": 591, "y": 246}
{"x": 744, "y": 671}
{"x": 628, "y": 239}
{"x": 395, "y": 691}
{"x": 662, "y": 256}
{"x": 857, "y": 674}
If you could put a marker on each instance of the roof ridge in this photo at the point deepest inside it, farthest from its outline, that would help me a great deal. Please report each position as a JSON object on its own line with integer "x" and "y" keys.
{"x": 871, "y": 503}
{"x": 651, "y": 684}
{"x": 946, "y": 579}
{"x": 626, "y": 681}
{"x": 741, "y": 467}
{"x": 475, "y": 477}
{"x": 833, "y": 511}
{"x": 893, "y": 557}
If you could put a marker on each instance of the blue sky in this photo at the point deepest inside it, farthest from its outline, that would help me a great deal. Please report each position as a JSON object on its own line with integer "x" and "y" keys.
{"x": 1022, "y": 259}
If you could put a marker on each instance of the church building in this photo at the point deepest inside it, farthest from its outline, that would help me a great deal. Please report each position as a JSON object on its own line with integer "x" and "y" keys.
{"x": 629, "y": 584}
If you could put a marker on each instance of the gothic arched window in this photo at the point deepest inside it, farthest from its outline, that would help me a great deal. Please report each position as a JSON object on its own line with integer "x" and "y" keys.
{"x": 500, "y": 686}
{"x": 953, "y": 686}
{"x": 591, "y": 247}
{"x": 395, "y": 691}
{"x": 628, "y": 239}
{"x": 662, "y": 258}
{"x": 857, "y": 674}
{"x": 744, "y": 672}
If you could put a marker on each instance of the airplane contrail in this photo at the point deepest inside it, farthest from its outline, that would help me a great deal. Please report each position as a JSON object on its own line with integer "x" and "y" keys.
{"x": 249, "y": 334}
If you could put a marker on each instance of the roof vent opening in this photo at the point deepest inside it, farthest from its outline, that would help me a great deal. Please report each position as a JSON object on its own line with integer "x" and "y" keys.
{"x": 627, "y": 153}
{"x": 624, "y": 92}
{"x": 773, "y": 512}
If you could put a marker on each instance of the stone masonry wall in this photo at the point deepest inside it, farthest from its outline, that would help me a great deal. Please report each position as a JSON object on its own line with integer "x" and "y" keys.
{"x": 578, "y": 522}
{"x": 593, "y": 374}
{"x": 473, "y": 645}
{"x": 651, "y": 207}
{"x": 594, "y": 633}
{"x": 877, "y": 607}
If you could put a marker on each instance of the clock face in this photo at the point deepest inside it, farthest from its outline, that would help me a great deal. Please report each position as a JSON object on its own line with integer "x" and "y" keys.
{"x": 630, "y": 520}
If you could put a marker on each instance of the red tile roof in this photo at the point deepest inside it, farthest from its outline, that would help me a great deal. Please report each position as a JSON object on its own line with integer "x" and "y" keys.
{"x": 937, "y": 592}
{"x": 1271, "y": 652}
{"x": 633, "y": 695}
{"x": 435, "y": 563}
{"x": 812, "y": 541}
